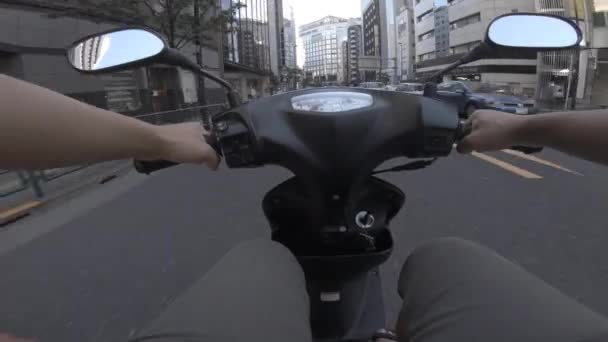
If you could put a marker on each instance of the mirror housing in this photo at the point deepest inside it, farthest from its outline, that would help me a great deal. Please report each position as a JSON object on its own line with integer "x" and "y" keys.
{"x": 131, "y": 48}
{"x": 533, "y": 31}
{"x": 116, "y": 50}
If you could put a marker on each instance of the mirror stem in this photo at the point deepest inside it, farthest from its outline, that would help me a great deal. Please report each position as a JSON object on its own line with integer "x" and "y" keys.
{"x": 174, "y": 57}
{"x": 480, "y": 51}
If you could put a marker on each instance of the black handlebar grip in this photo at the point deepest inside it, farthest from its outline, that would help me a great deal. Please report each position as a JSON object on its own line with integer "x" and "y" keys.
{"x": 148, "y": 167}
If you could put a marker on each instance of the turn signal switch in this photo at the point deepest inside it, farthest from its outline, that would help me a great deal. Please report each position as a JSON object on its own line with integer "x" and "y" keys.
{"x": 234, "y": 139}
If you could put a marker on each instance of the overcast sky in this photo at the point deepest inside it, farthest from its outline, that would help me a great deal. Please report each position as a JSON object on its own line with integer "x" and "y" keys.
{"x": 307, "y": 11}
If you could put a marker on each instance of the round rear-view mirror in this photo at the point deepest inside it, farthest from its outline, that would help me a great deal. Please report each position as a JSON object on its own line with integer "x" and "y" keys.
{"x": 534, "y": 31}
{"x": 114, "y": 50}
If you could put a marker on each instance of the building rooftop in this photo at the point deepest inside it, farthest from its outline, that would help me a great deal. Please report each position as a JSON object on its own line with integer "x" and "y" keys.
{"x": 323, "y": 21}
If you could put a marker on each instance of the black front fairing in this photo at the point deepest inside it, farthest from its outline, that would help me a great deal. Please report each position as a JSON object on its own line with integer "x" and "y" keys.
{"x": 341, "y": 148}
{"x": 333, "y": 147}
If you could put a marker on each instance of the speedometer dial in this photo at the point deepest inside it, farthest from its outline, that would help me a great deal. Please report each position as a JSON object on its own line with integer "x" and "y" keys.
{"x": 331, "y": 102}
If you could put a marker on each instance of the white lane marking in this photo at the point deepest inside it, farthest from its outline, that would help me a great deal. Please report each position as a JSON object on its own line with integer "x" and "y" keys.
{"x": 541, "y": 161}
{"x": 506, "y": 166}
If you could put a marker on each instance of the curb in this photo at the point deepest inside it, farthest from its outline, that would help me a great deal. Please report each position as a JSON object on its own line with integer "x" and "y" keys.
{"x": 18, "y": 212}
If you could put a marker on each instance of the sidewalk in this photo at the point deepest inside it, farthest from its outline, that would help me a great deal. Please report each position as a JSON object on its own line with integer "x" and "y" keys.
{"x": 19, "y": 204}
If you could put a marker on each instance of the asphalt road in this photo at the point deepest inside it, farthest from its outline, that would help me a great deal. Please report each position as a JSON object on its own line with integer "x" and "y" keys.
{"x": 101, "y": 266}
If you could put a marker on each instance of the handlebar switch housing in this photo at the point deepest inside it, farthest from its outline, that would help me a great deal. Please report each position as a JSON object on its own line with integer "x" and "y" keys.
{"x": 438, "y": 142}
{"x": 235, "y": 141}
{"x": 439, "y": 129}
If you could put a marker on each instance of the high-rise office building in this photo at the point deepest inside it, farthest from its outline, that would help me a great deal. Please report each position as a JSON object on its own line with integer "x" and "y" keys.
{"x": 380, "y": 34}
{"x": 406, "y": 40}
{"x": 372, "y": 38}
{"x": 354, "y": 51}
{"x": 322, "y": 41}
{"x": 343, "y": 63}
{"x": 251, "y": 43}
{"x": 288, "y": 37}
{"x": 442, "y": 31}
{"x": 288, "y": 48}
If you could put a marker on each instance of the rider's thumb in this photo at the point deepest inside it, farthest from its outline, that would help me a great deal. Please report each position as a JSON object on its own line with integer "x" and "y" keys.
{"x": 466, "y": 145}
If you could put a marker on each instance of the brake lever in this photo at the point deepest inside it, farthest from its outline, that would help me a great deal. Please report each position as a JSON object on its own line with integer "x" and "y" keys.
{"x": 527, "y": 149}
{"x": 211, "y": 140}
{"x": 464, "y": 129}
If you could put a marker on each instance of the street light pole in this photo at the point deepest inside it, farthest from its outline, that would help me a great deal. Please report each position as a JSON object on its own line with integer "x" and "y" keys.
{"x": 199, "y": 53}
{"x": 400, "y": 62}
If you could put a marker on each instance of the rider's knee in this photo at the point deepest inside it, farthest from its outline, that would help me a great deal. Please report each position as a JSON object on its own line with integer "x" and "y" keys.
{"x": 267, "y": 253}
{"x": 443, "y": 249}
{"x": 435, "y": 256}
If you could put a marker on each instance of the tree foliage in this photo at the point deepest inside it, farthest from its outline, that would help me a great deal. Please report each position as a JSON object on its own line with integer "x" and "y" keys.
{"x": 175, "y": 19}
{"x": 383, "y": 77}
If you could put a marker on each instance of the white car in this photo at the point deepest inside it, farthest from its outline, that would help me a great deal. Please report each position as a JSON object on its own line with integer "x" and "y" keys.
{"x": 372, "y": 85}
{"x": 410, "y": 88}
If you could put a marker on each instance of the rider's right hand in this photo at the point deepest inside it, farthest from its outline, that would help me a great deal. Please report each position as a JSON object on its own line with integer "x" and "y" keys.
{"x": 491, "y": 130}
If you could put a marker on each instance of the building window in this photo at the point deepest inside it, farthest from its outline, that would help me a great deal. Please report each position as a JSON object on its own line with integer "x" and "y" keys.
{"x": 599, "y": 19}
{"x": 426, "y": 36}
{"x": 425, "y": 15}
{"x": 466, "y": 21}
{"x": 454, "y": 2}
{"x": 426, "y": 56}
{"x": 463, "y": 48}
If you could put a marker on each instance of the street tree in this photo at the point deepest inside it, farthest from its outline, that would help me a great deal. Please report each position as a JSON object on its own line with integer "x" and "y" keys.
{"x": 383, "y": 77}
{"x": 180, "y": 21}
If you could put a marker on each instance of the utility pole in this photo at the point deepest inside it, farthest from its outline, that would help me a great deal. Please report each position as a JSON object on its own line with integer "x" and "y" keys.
{"x": 199, "y": 52}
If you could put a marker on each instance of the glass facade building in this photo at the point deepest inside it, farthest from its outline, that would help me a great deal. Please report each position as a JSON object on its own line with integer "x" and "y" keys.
{"x": 322, "y": 42}
{"x": 247, "y": 41}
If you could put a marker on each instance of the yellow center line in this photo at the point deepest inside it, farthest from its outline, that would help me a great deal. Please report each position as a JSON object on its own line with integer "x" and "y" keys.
{"x": 506, "y": 166}
{"x": 541, "y": 161}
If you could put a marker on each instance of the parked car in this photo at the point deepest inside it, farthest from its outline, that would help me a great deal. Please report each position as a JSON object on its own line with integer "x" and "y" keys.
{"x": 372, "y": 85}
{"x": 391, "y": 87}
{"x": 471, "y": 96}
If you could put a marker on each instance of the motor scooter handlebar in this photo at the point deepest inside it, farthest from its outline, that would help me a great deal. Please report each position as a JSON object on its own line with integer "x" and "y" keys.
{"x": 148, "y": 167}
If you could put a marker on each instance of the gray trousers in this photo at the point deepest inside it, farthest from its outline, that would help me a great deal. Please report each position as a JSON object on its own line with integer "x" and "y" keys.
{"x": 452, "y": 290}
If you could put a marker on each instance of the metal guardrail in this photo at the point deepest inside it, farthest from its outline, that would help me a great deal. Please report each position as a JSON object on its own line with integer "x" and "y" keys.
{"x": 13, "y": 182}
{"x": 52, "y": 174}
{"x": 183, "y": 115}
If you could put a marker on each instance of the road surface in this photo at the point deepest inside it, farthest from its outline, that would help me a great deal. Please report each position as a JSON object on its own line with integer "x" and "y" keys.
{"x": 102, "y": 265}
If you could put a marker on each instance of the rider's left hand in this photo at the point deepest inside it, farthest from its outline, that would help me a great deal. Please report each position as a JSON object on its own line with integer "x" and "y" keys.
{"x": 185, "y": 143}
